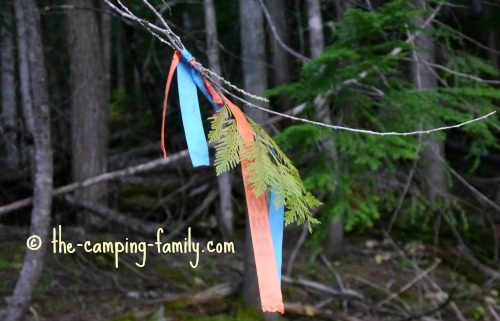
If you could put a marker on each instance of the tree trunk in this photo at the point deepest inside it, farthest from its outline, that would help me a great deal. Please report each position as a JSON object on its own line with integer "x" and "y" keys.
{"x": 255, "y": 82}
{"x": 253, "y": 53}
{"x": 335, "y": 238}
{"x": 106, "y": 24}
{"x": 9, "y": 108}
{"x": 341, "y": 7}
{"x": 315, "y": 24}
{"x": 224, "y": 180}
{"x": 423, "y": 78}
{"x": 24, "y": 70}
{"x": 120, "y": 59}
{"x": 89, "y": 101}
{"x": 279, "y": 56}
{"x": 42, "y": 191}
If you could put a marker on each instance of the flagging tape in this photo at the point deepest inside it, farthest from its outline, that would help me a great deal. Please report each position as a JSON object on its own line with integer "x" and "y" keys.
{"x": 276, "y": 222}
{"x": 260, "y": 229}
{"x": 266, "y": 230}
{"x": 190, "y": 109}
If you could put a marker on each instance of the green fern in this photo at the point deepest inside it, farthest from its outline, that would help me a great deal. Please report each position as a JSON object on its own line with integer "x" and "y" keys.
{"x": 269, "y": 168}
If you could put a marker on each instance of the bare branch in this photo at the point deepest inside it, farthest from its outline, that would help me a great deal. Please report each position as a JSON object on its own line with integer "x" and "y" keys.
{"x": 409, "y": 284}
{"x": 277, "y": 36}
{"x": 461, "y": 74}
{"x": 98, "y": 179}
{"x": 477, "y": 194}
{"x": 472, "y": 40}
{"x": 134, "y": 224}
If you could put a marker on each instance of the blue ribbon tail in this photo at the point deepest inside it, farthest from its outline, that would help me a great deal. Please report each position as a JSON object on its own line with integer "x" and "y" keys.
{"x": 191, "y": 117}
{"x": 276, "y": 222}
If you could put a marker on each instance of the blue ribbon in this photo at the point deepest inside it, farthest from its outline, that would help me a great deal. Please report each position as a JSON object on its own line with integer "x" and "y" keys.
{"x": 276, "y": 222}
{"x": 187, "y": 80}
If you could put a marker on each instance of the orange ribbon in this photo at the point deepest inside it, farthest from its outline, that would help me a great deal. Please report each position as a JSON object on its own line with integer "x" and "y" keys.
{"x": 267, "y": 273}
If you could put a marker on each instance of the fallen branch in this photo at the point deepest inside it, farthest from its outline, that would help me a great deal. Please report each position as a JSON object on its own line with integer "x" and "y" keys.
{"x": 134, "y": 224}
{"x": 409, "y": 284}
{"x": 464, "y": 252}
{"x": 323, "y": 288}
{"x": 449, "y": 302}
{"x": 98, "y": 179}
{"x": 211, "y": 294}
{"x": 313, "y": 312}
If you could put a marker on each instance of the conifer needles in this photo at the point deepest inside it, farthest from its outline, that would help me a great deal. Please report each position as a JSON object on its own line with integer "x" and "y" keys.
{"x": 269, "y": 169}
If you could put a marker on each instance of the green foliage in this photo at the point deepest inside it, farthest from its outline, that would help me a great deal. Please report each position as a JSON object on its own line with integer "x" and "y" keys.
{"x": 229, "y": 141}
{"x": 353, "y": 167}
{"x": 269, "y": 168}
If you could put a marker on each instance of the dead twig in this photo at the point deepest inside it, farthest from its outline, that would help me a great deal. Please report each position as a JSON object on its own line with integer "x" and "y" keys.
{"x": 323, "y": 288}
{"x": 463, "y": 252}
{"x": 452, "y": 304}
{"x": 409, "y": 284}
{"x": 217, "y": 292}
{"x": 313, "y": 312}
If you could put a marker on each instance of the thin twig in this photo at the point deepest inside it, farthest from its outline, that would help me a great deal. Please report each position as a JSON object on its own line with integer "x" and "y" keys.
{"x": 409, "y": 284}
{"x": 493, "y": 312}
{"x": 477, "y": 43}
{"x": 401, "y": 253}
{"x": 337, "y": 278}
{"x": 295, "y": 251}
{"x": 461, "y": 74}
{"x": 479, "y": 196}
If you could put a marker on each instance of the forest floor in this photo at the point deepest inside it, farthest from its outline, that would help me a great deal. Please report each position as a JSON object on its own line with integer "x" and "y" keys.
{"x": 378, "y": 278}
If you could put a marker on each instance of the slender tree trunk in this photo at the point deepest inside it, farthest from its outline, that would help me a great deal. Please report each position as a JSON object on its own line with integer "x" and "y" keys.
{"x": 24, "y": 69}
{"x": 341, "y": 7}
{"x": 106, "y": 26}
{"x": 253, "y": 52}
{"x": 315, "y": 24}
{"x": 42, "y": 191}
{"x": 89, "y": 101}
{"x": 279, "y": 56}
{"x": 335, "y": 237}
{"x": 255, "y": 81}
{"x": 423, "y": 79}
{"x": 120, "y": 59}
{"x": 24, "y": 77}
{"x": 9, "y": 108}
{"x": 224, "y": 180}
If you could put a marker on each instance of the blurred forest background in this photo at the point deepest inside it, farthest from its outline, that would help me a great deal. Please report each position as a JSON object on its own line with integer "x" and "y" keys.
{"x": 410, "y": 226}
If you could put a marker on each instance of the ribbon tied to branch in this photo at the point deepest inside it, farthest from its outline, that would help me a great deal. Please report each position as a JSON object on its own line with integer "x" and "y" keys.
{"x": 266, "y": 227}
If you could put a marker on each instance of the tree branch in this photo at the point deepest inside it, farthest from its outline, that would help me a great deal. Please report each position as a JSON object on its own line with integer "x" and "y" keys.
{"x": 277, "y": 36}
{"x": 461, "y": 74}
{"x": 98, "y": 179}
{"x": 134, "y": 224}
